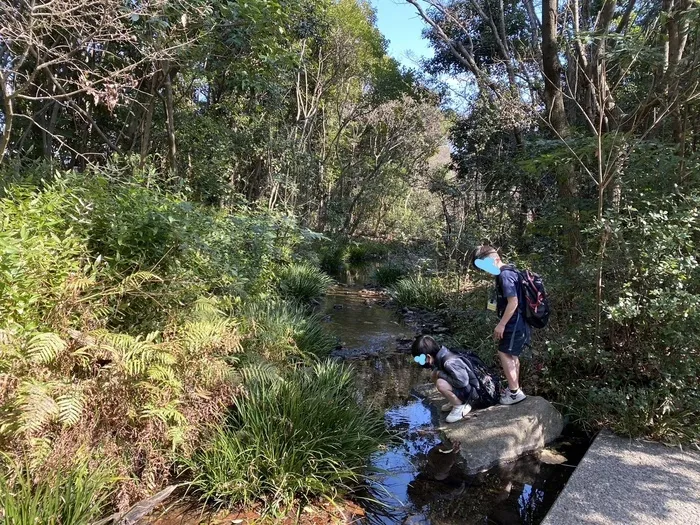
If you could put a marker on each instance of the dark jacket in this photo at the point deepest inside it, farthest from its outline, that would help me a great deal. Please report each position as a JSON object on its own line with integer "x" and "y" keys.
{"x": 455, "y": 371}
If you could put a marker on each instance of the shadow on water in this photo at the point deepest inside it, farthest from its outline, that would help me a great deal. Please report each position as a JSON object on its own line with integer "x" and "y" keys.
{"x": 411, "y": 481}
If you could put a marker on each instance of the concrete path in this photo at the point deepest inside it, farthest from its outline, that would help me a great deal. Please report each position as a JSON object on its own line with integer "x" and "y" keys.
{"x": 630, "y": 482}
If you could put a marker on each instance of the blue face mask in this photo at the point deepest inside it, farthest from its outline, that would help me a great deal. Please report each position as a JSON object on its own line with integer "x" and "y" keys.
{"x": 420, "y": 359}
{"x": 488, "y": 265}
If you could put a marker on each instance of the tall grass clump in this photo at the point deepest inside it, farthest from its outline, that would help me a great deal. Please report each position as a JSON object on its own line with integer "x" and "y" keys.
{"x": 290, "y": 439}
{"x": 388, "y": 274}
{"x": 419, "y": 292}
{"x": 71, "y": 496}
{"x": 303, "y": 283}
{"x": 278, "y": 330}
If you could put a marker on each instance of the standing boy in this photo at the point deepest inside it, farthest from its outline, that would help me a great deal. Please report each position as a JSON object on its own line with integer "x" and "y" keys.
{"x": 512, "y": 332}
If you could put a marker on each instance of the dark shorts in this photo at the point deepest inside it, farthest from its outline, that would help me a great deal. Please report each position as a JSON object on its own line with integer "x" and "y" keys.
{"x": 465, "y": 395}
{"x": 513, "y": 342}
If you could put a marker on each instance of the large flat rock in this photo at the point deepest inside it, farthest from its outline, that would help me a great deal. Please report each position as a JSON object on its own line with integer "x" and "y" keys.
{"x": 624, "y": 481}
{"x": 499, "y": 434}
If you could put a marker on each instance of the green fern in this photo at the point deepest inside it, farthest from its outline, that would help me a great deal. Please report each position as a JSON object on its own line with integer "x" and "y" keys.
{"x": 165, "y": 376}
{"x": 70, "y": 407}
{"x": 262, "y": 372}
{"x": 43, "y": 348}
{"x": 168, "y": 413}
{"x": 36, "y": 405}
{"x": 207, "y": 308}
{"x": 135, "y": 282}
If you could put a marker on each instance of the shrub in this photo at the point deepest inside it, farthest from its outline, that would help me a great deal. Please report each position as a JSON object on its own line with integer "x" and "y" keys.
{"x": 419, "y": 292}
{"x": 74, "y": 496}
{"x": 294, "y": 438}
{"x": 278, "y": 330}
{"x": 303, "y": 282}
{"x": 361, "y": 252}
{"x": 332, "y": 257}
{"x": 131, "y": 395}
{"x": 388, "y": 274}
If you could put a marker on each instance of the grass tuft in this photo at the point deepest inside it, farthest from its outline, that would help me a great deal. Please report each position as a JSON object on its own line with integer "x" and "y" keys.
{"x": 289, "y": 439}
{"x": 277, "y": 330}
{"x": 419, "y": 292}
{"x": 75, "y": 496}
{"x": 303, "y": 283}
{"x": 388, "y": 274}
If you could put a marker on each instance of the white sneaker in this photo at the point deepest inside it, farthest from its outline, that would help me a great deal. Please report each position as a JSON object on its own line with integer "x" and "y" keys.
{"x": 508, "y": 398}
{"x": 458, "y": 413}
{"x": 446, "y": 407}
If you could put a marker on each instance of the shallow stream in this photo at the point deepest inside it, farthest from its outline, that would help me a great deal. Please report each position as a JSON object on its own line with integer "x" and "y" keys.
{"x": 409, "y": 485}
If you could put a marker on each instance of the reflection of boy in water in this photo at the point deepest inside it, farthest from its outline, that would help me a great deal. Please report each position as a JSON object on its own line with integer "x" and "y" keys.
{"x": 452, "y": 377}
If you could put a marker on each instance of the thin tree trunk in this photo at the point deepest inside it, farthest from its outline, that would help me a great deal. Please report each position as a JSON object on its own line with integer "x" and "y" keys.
{"x": 8, "y": 110}
{"x": 148, "y": 122}
{"x": 170, "y": 117}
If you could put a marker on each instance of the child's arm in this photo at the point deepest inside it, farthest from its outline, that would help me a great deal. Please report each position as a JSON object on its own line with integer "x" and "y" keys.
{"x": 510, "y": 310}
{"x": 456, "y": 373}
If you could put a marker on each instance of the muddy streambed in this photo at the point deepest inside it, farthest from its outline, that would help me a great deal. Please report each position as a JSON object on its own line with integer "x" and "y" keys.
{"x": 410, "y": 483}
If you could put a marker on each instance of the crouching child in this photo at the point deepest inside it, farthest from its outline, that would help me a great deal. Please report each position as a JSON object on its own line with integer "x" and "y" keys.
{"x": 462, "y": 379}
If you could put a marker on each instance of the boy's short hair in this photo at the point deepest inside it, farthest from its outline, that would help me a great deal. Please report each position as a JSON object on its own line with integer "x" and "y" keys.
{"x": 482, "y": 252}
{"x": 424, "y": 344}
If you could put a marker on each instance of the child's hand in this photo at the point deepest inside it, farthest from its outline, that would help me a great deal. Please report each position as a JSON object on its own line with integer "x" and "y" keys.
{"x": 498, "y": 332}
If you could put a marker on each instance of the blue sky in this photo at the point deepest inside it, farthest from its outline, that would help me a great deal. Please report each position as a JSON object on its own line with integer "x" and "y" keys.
{"x": 401, "y": 25}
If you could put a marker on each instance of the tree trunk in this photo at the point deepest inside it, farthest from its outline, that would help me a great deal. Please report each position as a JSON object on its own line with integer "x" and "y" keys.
{"x": 148, "y": 122}
{"x": 7, "y": 109}
{"x": 170, "y": 117}
{"x": 556, "y": 117}
{"x": 553, "y": 98}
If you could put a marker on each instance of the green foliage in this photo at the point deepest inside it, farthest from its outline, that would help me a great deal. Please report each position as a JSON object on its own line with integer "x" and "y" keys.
{"x": 640, "y": 378}
{"x": 278, "y": 330}
{"x": 303, "y": 283}
{"x": 289, "y": 439}
{"x": 71, "y": 496}
{"x": 419, "y": 292}
{"x": 42, "y": 255}
{"x": 388, "y": 274}
{"x": 333, "y": 257}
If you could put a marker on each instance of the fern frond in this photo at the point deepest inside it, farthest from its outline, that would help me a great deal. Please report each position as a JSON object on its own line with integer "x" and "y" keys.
{"x": 202, "y": 335}
{"x": 167, "y": 414}
{"x": 44, "y": 348}
{"x": 39, "y": 450}
{"x": 178, "y": 435}
{"x": 79, "y": 284}
{"x": 164, "y": 375}
{"x": 135, "y": 281}
{"x": 36, "y": 405}
{"x": 260, "y": 373}
{"x": 132, "y": 354}
{"x": 70, "y": 407}
{"x": 206, "y": 308}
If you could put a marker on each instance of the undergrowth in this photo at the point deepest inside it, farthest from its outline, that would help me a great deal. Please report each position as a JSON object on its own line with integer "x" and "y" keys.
{"x": 298, "y": 436}
{"x": 303, "y": 282}
{"x": 67, "y": 496}
{"x": 419, "y": 292}
{"x": 124, "y": 312}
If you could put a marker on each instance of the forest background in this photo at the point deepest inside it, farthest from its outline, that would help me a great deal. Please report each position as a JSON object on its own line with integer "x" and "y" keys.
{"x": 176, "y": 175}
